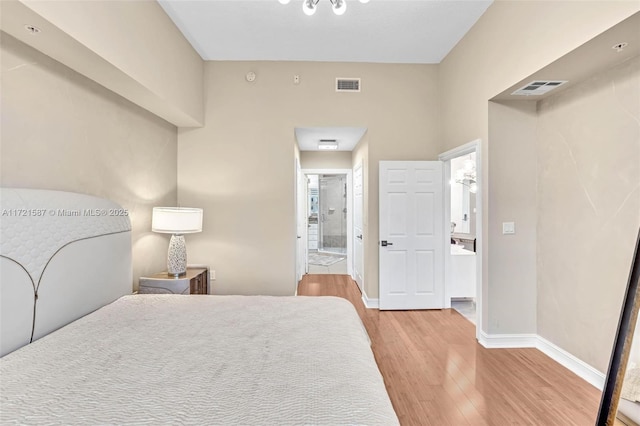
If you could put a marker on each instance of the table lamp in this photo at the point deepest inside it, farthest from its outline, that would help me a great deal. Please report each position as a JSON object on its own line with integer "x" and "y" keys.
{"x": 177, "y": 221}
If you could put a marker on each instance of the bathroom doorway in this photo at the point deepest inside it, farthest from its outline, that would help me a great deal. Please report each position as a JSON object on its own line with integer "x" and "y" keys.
{"x": 463, "y": 224}
{"x": 328, "y": 222}
{"x": 332, "y": 214}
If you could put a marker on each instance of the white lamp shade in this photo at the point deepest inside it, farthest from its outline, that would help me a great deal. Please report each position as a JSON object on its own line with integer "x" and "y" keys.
{"x": 176, "y": 220}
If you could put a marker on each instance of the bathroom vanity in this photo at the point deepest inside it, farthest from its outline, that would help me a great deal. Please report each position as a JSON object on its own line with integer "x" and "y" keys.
{"x": 467, "y": 240}
{"x": 463, "y": 272}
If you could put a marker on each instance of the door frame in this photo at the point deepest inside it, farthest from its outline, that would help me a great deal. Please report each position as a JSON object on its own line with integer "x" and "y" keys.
{"x": 300, "y": 195}
{"x": 446, "y": 157}
{"x": 360, "y": 166}
{"x": 349, "y": 174}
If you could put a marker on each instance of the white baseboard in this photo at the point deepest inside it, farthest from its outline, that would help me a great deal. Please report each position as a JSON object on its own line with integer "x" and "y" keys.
{"x": 559, "y": 355}
{"x": 507, "y": 340}
{"x": 579, "y": 367}
{"x": 369, "y": 303}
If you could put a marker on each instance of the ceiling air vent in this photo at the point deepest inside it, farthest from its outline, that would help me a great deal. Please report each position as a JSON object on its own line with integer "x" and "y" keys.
{"x": 347, "y": 84}
{"x": 539, "y": 87}
{"x": 328, "y": 144}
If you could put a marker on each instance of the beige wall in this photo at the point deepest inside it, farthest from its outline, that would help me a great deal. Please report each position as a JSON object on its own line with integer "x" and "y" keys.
{"x": 62, "y": 131}
{"x": 325, "y": 160}
{"x": 588, "y": 210}
{"x": 512, "y": 198}
{"x": 240, "y": 166}
{"x": 512, "y": 40}
{"x": 130, "y": 47}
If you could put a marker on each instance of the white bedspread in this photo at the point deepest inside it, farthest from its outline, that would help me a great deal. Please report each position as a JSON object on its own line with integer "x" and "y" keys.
{"x": 216, "y": 360}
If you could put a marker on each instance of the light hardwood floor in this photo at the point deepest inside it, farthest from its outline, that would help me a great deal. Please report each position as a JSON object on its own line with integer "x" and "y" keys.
{"x": 437, "y": 374}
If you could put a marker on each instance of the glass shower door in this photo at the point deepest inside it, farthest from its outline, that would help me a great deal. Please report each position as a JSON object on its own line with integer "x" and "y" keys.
{"x": 332, "y": 236}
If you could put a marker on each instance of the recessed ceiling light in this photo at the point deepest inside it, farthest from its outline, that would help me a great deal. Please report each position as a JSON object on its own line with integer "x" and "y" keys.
{"x": 620, "y": 46}
{"x": 328, "y": 144}
{"x": 32, "y": 29}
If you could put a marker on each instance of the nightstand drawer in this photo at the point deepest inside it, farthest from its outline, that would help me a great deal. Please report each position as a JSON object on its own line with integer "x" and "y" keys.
{"x": 164, "y": 286}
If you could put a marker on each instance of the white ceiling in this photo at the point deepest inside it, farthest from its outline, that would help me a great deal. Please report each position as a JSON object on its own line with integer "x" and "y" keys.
{"x": 384, "y": 31}
{"x": 347, "y": 137}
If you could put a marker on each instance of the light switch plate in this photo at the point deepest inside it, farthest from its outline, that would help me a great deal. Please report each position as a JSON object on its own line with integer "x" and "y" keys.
{"x": 508, "y": 228}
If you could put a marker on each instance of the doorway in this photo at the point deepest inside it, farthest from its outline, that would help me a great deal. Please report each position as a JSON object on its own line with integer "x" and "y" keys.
{"x": 331, "y": 213}
{"x": 327, "y": 223}
{"x": 328, "y": 218}
{"x": 462, "y": 181}
{"x": 463, "y": 227}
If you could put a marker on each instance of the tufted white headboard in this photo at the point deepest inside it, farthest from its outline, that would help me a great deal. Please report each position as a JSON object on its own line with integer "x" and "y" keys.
{"x": 62, "y": 256}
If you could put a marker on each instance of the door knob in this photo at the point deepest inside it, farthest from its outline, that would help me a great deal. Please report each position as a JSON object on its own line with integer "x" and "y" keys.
{"x": 384, "y": 243}
{"x": 359, "y": 237}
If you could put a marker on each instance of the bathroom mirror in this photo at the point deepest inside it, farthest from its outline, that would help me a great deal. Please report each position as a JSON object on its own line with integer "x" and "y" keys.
{"x": 463, "y": 189}
{"x": 622, "y": 349}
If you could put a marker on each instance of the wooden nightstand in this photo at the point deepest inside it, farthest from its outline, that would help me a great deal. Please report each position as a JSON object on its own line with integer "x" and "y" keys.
{"x": 195, "y": 281}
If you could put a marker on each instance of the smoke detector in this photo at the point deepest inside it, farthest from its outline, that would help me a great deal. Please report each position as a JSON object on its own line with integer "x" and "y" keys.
{"x": 538, "y": 87}
{"x": 32, "y": 29}
{"x": 620, "y": 46}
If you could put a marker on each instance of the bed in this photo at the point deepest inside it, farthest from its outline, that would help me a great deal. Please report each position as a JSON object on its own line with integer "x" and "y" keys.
{"x": 74, "y": 357}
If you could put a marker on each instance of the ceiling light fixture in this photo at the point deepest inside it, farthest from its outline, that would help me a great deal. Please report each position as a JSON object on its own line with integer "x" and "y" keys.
{"x": 309, "y": 6}
{"x": 467, "y": 175}
{"x": 327, "y": 144}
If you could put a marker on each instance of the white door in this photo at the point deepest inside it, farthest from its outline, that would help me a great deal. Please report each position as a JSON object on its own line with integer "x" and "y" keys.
{"x": 411, "y": 235}
{"x": 358, "y": 246}
{"x": 301, "y": 222}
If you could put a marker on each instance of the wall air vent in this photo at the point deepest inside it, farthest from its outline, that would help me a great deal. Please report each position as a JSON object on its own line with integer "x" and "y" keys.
{"x": 347, "y": 84}
{"x": 539, "y": 87}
